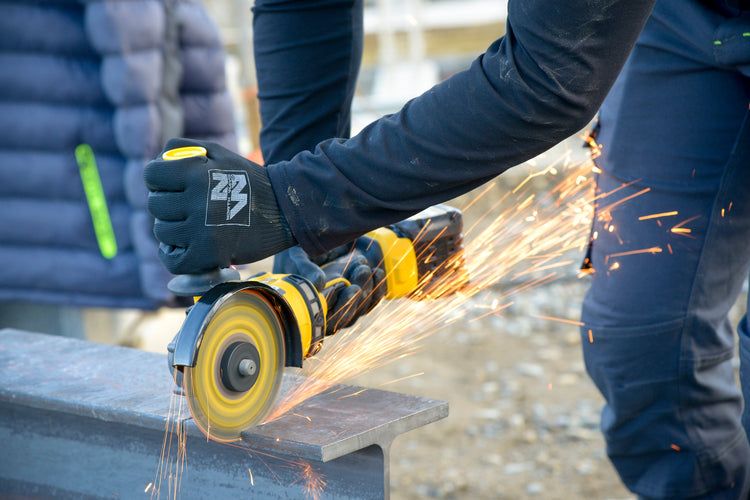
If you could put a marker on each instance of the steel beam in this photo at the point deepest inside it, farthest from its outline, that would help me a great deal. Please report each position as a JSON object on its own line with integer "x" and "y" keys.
{"x": 86, "y": 420}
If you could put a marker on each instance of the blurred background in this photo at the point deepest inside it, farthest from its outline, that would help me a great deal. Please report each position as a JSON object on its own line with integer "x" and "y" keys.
{"x": 410, "y": 45}
{"x": 524, "y": 416}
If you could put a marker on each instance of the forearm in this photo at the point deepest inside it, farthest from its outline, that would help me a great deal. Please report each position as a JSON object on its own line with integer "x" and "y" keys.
{"x": 532, "y": 88}
{"x": 307, "y": 55}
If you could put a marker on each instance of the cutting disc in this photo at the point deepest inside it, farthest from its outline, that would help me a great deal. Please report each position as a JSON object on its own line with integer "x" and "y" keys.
{"x": 238, "y": 370}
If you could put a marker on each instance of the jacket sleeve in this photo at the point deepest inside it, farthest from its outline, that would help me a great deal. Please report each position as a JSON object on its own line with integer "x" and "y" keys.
{"x": 534, "y": 87}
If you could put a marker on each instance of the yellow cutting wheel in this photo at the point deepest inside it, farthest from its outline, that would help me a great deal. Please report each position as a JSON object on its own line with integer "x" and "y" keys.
{"x": 238, "y": 371}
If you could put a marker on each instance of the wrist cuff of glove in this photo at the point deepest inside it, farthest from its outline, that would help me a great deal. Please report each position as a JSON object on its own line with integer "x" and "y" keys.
{"x": 270, "y": 233}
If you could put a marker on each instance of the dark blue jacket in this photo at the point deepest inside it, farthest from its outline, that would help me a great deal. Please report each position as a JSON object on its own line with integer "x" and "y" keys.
{"x": 122, "y": 77}
{"x": 540, "y": 83}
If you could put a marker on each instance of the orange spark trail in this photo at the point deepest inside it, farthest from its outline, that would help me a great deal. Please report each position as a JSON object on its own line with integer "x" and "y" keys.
{"x": 526, "y": 245}
{"x": 656, "y": 216}
{"x": 492, "y": 311}
{"x": 171, "y": 462}
{"x": 679, "y": 229}
{"x": 314, "y": 482}
{"x": 651, "y": 250}
{"x": 561, "y": 320}
{"x": 402, "y": 379}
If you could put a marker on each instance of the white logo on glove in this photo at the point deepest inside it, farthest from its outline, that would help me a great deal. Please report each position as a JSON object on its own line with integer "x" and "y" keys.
{"x": 228, "y": 199}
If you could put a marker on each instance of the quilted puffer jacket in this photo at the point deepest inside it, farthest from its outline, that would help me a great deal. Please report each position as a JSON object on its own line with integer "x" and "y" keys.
{"x": 119, "y": 77}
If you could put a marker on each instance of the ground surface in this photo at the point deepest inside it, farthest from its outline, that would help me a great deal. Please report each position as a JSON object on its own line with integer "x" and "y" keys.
{"x": 523, "y": 415}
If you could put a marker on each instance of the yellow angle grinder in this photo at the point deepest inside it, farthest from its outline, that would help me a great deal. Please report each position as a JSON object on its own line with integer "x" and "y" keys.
{"x": 231, "y": 350}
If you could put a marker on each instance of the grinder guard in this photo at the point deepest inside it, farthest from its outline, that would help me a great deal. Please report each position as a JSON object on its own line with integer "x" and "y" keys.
{"x": 184, "y": 347}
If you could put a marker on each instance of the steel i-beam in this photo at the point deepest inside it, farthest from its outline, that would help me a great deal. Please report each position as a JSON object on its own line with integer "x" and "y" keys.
{"x": 86, "y": 420}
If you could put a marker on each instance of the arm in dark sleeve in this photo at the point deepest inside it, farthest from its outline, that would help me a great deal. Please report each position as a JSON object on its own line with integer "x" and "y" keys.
{"x": 540, "y": 83}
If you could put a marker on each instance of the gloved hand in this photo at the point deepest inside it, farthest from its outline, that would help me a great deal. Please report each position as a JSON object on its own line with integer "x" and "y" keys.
{"x": 213, "y": 210}
{"x": 350, "y": 277}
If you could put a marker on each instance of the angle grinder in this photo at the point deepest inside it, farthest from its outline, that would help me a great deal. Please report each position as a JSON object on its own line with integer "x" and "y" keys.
{"x": 229, "y": 355}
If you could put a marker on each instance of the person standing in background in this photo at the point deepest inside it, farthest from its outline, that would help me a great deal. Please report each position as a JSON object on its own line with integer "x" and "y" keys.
{"x": 90, "y": 91}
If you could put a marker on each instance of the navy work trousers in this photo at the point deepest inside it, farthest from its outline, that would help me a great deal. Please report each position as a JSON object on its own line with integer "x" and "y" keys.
{"x": 656, "y": 336}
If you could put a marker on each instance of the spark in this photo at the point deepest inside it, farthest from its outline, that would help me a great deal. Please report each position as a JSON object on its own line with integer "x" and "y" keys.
{"x": 561, "y": 320}
{"x": 314, "y": 482}
{"x": 171, "y": 461}
{"x": 551, "y": 169}
{"x": 627, "y": 198}
{"x": 494, "y": 311}
{"x": 656, "y": 216}
{"x": 260, "y": 457}
{"x": 353, "y": 394}
{"x": 651, "y": 250}
{"x": 302, "y": 416}
{"x": 510, "y": 248}
{"x": 675, "y": 447}
{"x": 684, "y": 230}
{"x": 596, "y": 149}
{"x": 486, "y": 190}
{"x": 591, "y": 337}
{"x": 402, "y": 379}
{"x": 172, "y": 464}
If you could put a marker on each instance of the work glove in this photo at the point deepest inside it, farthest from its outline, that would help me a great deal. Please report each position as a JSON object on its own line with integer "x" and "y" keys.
{"x": 350, "y": 278}
{"x": 213, "y": 210}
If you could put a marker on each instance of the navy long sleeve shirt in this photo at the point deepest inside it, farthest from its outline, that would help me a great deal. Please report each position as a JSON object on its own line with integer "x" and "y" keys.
{"x": 532, "y": 88}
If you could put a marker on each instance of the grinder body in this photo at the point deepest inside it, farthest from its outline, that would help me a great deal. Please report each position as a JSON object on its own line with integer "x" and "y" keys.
{"x": 230, "y": 352}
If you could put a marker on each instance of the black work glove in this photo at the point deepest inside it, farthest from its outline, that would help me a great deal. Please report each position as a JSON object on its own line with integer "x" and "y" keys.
{"x": 350, "y": 278}
{"x": 213, "y": 210}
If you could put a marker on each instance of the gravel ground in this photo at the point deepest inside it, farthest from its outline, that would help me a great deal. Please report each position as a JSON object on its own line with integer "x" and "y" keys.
{"x": 523, "y": 417}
